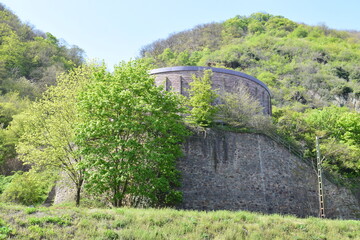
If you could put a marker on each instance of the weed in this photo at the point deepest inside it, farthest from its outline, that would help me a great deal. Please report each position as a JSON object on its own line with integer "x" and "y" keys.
{"x": 30, "y": 210}
{"x": 159, "y": 222}
{"x": 37, "y": 232}
{"x": 102, "y": 216}
{"x": 5, "y": 230}
{"x": 110, "y": 235}
{"x": 122, "y": 223}
{"x": 61, "y": 221}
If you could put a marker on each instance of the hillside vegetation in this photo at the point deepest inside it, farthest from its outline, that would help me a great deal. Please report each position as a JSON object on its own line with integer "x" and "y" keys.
{"x": 304, "y": 66}
{"x": 30, "y": 61}
{"x": 117, "y": 136}
{"x": 313, "y": 73}
{"x": 17, "y": 222}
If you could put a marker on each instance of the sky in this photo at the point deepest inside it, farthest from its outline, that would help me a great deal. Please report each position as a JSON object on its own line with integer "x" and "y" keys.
{"x": 116, "y": 30}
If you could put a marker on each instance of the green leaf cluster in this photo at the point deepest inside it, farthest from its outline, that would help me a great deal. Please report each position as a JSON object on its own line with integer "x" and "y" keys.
{"x": 29, "y": 188}
{"x": 31, "y": 60}
{"x": 201, "y": 100}
{"x": 46, "y": 130}
{"x": 130, "y": 137}
{"x": 11, "y": 104}
{"x": 339, "y": 129}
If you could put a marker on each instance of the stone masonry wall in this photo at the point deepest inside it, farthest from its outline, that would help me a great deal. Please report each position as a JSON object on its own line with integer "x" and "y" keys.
{"x": 224, "y": 80}
{"x": 242, "y": 171}
{"x": 239, "y": 171}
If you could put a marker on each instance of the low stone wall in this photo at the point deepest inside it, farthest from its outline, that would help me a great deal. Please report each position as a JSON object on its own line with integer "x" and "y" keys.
{"x": 240, "y": 171}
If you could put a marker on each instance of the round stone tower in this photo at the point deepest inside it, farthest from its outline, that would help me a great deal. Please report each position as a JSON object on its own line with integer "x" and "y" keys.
{"x": 224, "y": 80}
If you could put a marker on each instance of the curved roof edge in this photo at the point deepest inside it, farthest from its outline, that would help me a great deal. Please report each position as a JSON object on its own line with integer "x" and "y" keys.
{"x": 219, "y": 70}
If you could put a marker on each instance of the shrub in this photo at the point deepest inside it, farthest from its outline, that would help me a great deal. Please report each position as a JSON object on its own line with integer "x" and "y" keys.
{"x": 4, "y": 181}
{"x": 30, "y": 210}
{"x": 61, "y": 221}
{"x": 104, "y": 216}
{"x": 110, "y": 235}
{"x": 243, "y": 110}
{"x": 5, "y": 231}
{"x": 28, "y": 188}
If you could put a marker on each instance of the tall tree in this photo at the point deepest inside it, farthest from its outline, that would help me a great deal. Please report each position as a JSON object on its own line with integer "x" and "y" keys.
{"x": 201, "y": 100}
{"x": 47, "y": 134}
{"x": 131, "y": 136}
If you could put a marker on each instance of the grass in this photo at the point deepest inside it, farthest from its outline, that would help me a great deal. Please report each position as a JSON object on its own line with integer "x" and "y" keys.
{"x": 66, "y": 222}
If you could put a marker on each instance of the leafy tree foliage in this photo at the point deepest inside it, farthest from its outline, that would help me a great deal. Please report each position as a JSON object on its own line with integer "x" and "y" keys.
{"x": 4, "y": 181}
{"x": 46, "y": 129}
{"x": 11, "y": 104}
{"x": 201, "y": 100}
{"x": 192, "y": 41}
{"x": 339, "y": 129}
{"x": 130, "y": 137}
{"x": 29, "y": 59}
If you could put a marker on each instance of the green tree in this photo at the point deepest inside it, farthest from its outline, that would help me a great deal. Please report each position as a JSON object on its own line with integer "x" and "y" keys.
{"x": 235, "y": 27}
{"x": 131, "y": 136}
{"x": 340, "y": 128}
{"x": 201, "y": 100}
{"x": 47, "y": 134}
{"x": 11, "y": 104}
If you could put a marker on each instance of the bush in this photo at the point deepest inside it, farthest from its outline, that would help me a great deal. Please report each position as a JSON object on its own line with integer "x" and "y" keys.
{"x": 243, "y": 110}
{"x": 5, "y": 230}
{"x": 58, "y": 220}
{"x": 28, "y": 188}
{"x": 110, "y": 235}
{"x": 4, "y": 181}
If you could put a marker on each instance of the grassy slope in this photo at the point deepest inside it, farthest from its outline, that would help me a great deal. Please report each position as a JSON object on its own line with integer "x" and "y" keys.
{"x": 20, "y": 222}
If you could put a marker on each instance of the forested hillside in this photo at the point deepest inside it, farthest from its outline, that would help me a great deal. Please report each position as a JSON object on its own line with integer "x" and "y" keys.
{"x": 30, "y": 61}
{"x": 87, "y": 115}
{"x": 313, "y": 73}
{"x": 304, "y": 66}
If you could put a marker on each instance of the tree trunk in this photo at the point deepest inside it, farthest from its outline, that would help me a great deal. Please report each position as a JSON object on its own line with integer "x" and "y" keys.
{"x": 78, "y": 192}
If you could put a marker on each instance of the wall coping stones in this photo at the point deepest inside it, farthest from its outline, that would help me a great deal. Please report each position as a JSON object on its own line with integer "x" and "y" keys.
{"x": 218, "y": 70}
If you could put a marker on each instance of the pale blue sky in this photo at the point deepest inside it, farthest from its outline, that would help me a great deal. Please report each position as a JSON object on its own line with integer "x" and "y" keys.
{"x": 113, "y": 30}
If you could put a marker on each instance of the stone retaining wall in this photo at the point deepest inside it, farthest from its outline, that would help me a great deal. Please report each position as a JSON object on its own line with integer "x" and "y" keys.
{"x": 240, "y": 171}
